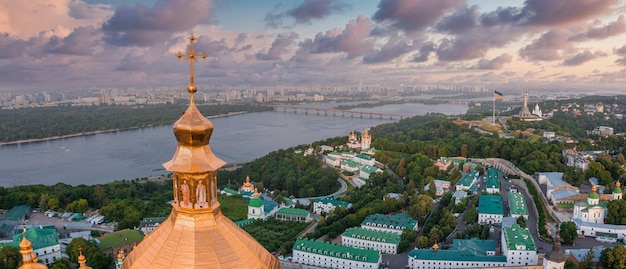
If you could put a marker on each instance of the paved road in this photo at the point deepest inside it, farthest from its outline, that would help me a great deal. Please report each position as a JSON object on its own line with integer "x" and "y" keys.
{"x": 307, "y": 200}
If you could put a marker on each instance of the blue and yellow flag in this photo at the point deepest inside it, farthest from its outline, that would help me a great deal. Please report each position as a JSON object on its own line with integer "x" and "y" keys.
{"x": 497, "y": 94}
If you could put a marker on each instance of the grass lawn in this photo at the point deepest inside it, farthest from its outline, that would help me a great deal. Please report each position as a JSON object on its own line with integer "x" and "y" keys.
{"x": 123, "y": 237}
{"x": 233, "y": 207}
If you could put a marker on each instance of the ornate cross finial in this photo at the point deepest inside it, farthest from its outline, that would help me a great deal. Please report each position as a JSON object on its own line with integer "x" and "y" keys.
{"x": 24, "y": 227}
{"x": 192, "y": 58}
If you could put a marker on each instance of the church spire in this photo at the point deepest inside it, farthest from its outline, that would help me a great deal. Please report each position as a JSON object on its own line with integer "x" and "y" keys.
{"x": 29, "y": 259}
{"x": 197, "y": 234}
{"x": 82, "y": 261}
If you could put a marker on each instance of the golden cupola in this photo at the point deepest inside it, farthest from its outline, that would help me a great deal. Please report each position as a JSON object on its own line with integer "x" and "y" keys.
{"x": 29, "y": 259}
{"x": 197, "y": 234}
{"x": 82, "y": 261}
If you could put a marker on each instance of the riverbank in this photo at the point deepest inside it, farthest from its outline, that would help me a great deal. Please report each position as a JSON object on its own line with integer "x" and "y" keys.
{"x": 35, "y": 140}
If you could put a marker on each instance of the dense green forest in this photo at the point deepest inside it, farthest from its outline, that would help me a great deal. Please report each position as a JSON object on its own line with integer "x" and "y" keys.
{"x": 288, "y": 173}
{"x": 44, "y": 122}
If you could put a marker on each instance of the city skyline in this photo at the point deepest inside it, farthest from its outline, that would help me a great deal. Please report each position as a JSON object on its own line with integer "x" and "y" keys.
{"x": 64, "y": 44}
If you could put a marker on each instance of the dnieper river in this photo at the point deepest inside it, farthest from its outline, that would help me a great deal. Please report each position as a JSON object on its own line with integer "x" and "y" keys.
{"x": 130, "y": 154}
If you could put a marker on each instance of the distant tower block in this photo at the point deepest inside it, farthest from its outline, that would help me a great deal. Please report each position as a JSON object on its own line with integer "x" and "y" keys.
{"x": 525, "y": 111}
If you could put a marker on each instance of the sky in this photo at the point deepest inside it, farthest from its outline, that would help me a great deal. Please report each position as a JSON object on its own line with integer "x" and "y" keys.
{"x": 507, "y": 45}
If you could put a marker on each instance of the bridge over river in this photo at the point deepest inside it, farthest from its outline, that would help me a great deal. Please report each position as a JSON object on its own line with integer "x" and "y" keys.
{"x": 339, "y": 112}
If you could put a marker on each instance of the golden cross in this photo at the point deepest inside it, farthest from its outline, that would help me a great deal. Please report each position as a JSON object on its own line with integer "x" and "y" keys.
{"x": 191, "y": 57}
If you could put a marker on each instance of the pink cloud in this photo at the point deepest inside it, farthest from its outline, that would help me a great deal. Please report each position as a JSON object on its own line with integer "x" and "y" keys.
{"x": 353, "y": 40}
{"x": 495, "y": 63}
{"x": 413, "y": 15}
{"x": 144, "y": 26}
{"x": 612, "y": 29}
{"x": 279, "y": 47}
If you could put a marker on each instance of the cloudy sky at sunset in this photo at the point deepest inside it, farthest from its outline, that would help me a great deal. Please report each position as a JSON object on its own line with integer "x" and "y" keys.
{"x": 513, "y": 44}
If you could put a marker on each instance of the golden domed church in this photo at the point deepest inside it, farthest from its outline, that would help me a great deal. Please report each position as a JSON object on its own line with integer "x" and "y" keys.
{"x": 29, "y": 259}
{"x": 197, "y": 234}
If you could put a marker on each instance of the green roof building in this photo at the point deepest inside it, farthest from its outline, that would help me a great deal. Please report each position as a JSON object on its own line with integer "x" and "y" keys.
{"x": 328, "y": 204}
{"x": 492, "y": 181}
{"x": 517, "y": 205}
{"x": 229, "y": 192}
{"x": 147, "y": 225}
{"x": 392, "y": 223}
{"x": 256, "y": 208}
{"x": 518, "y": 246}
{"x": 467, "y": 181}
{"x": 329, "y": 255}
{"x": 490, "y": 209}
{"x": 293, "y": 214}
{"x": 385, "y": 242}
{"x": 45, "y": 243}
{"x": 464, "y": 253}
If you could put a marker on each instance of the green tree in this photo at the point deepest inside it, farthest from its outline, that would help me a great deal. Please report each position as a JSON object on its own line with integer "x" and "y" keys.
{"x": 435, "y": 235}
{"x": 470, "y": 216}
{"x": 423, "y": 242}
{"x": 10, "y": 257}
{"x": 568, "y": 232}
{"x": 80, "y": 206}
{"x": 54, "y": 203}
{"x": 614, "y": 258}
{"x": 60, "y": 264}
{"x": 43, "y": 201}
{"x": 420, "y": 206}
{"x": 95, "y": 258}
{"x": 521, "y": 221}
{"x": 616, "y": 212}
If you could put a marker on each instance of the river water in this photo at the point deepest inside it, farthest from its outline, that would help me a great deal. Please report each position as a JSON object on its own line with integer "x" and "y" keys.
{"x": 130, "y": 154}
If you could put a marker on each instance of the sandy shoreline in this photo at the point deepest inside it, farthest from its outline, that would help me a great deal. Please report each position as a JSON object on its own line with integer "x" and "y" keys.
{"x": 102, "y": 131}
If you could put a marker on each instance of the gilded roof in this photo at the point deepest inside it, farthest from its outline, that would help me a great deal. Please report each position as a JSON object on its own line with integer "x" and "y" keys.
{"x": 197, "y": 234}
{"x": 199, "y": 241}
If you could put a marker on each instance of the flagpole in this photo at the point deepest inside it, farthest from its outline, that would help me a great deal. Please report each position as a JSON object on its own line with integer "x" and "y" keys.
{"x": 493, "y": 119}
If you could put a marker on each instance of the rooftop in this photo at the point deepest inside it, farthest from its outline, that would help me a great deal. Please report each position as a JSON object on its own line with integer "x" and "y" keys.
{"x": 244, "y": 222}
{"x": 230, "y": 191}
{"x": 490, "y": 204}
{"x": 255, "y": 202}
{"x": 350, "y": 163}
{"x": 40, "y": 238}
{"x": 399, "y": 221}
{"x": 16, "y": 213}
{"x": 468, "y": 178}
{"x": 338, "y": 251}
{"x": 475, "y": 245}
{"x": 517, "y": 205}
{"x": 493, "y": 179}
{"x": 554, "y": 179}
{"x": 372, "y": 235}
{"x": 518, "y": 238}
{"x": 328, "y": 200}
{"x": 364, "y": 157}
{"x": 453, "y": 255}
{"x": 151, "y": 221}
{"x": 293, "y": 212}
{"x": 369, "y": 169}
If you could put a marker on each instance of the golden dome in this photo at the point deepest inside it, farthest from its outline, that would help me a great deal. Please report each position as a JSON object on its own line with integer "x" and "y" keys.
{"x": 617, "y": 184}
{"x": 197, "y": 234}
{"x": 82, "y": 261}
{"x": 247, "y": 184}
{"x": 29, "y": 259}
